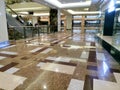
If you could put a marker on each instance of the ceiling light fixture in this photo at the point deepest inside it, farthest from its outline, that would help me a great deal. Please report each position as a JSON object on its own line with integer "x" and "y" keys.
{"x": 41, "y": 14}
{"x": 90, "y": 12}
{"x": 60, "y": 5}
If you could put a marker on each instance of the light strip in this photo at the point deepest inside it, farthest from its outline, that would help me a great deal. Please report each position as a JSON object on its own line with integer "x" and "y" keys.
{"x": 41, "y": 14}
{"x": 32, "y": 8}
{"x": 23, "y": 12}
{"x": 73, "y": 12}
{"x": 60, "y": 5}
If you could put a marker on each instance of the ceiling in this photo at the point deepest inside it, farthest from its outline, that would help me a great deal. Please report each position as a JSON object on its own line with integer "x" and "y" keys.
{"x": 66, "y": 5}
{"x": 70, "y": 1}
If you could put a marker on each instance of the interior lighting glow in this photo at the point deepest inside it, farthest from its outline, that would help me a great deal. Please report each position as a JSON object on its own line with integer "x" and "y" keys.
{"x": 60, "y": 5}
{"x": 90, "y": 12}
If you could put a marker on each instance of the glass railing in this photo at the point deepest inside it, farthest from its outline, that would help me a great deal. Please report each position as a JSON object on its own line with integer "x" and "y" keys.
{"x": 28, "y": 32}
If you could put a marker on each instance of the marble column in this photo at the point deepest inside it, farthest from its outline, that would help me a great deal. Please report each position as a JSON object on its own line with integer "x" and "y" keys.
{"x": 3, "y": 25}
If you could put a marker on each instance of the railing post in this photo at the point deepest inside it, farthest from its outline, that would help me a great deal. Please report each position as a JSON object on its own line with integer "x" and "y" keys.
{"x": 24, "y": 33}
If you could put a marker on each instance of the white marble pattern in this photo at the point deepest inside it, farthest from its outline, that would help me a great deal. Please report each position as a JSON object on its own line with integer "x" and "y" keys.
{"x": 9, "y": 81}
{"x": 100, "y": 56}
{"x": 12, "y": 70}
{"x": 76, "y": 85}
{"x": 35, "y": 50}
{"x": 74, "y": 47}
{"x": 9, "y": 46}
{"x": 84, "y": 55}
{"x": 47, "y": 51}
{"x": 98, "y": 45}
{"x": 34, "y": 44}
{"x": 70, "y": 38}
{"x": 79, "y": 60}
{"x": 9, "y": 53}
{"x": 89, "y": 47}
{"x": 51, "y": 58}
{"x": 117, "y": 77}
{"x": 62, "y": 42}
{"x": 105, "y": 85}
{"x": 1, "y": 66}
{"x": 58, "y": 68}
{"x": 41, "y": 64}
{"x": 60, "y": 58}
{"x": 63, "y": 59}
{"x": 1, "y": 57}
{"x": 55, "y": 41}
{"x": 66, "y": 59}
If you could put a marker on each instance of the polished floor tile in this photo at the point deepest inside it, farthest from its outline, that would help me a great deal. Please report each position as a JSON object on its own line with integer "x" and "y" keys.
{"x": 36, "y": 49}
{"x": 1, "y": 57}
{"x": 84, "y": 55}
{"x": 1, "y": 66}
{"x": 68, "y": 62}
{"x": 41, "y": 64}
{"x": 47, "y": 51}
{"x": 60, "y": 58}
{"x": 100, "y": 56}
{"x": 10, "y": 82}
{"x": 71, "y": 46}
{"x": 12, "y": 70}
{"x": 74, "y": 47}
{"x": 9, "y": 47}
{"x": 8, "y": 52}
{"x": 105, "y": 85}
{"x": 62, "y": 42}
{"x": 76, "y": 85}
{"x": 58, "y": 68}
{"x": 8, "y": 66}
{"x": 117, "y": 77}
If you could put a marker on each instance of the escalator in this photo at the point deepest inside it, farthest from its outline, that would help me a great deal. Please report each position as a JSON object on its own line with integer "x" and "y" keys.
{"x": 18, "y": 24}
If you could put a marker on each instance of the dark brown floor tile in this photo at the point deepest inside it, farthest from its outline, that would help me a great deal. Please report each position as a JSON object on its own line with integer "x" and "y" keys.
{"x": 88, "y": 84}
{"x": 59, "y": 62}
{"x": 92, "y": 67}
{"x": 24, "y": 58}
{"x": 80, "y": 72}
{"x": 92, "y": 43}
{"x": 6, "y": 55}
{"x": 114, "y": 70}
{"x": 66, "y": 45}
{"x": 92, "y": 56}
{"x": 40, "y": 50}
{"x": 12, "y": 64}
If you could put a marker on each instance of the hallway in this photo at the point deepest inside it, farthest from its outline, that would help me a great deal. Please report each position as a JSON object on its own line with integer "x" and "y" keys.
{"x": 58, "y": 61}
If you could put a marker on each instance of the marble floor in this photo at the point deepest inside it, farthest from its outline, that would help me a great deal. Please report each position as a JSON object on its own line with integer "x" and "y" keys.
{"x": 59, "y": 61}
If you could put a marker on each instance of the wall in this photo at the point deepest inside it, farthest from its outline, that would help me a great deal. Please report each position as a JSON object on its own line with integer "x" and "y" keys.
{"x": 3, "y": 25}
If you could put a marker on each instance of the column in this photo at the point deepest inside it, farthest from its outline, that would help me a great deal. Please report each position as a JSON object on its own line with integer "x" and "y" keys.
{"x": 108, "y": 23}
{"x": 59, "y": 20}
{"x": 3, "y": 26}
{"x": 69, "y": 22}
{"x": 83, "y": 25}
{"x": 53, "y": 20}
